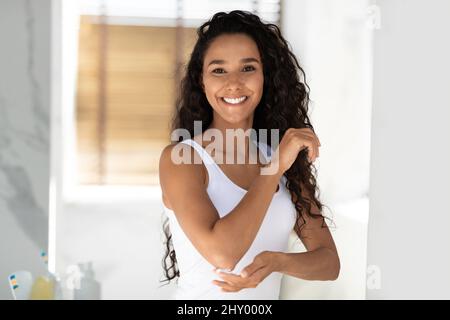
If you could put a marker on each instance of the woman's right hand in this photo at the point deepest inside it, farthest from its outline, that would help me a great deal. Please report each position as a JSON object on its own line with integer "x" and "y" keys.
{"x": 293, "y": 141}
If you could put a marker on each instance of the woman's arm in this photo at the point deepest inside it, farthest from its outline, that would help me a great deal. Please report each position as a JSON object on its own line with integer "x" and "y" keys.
{"x": 239, "y": 227}
{"x": 320, "y": 262}
{"x": 224, "y": 241}
{"x": 221, "y": 241}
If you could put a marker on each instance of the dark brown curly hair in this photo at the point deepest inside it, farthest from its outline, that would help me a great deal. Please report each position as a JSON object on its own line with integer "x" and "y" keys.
{"x": 283, "y": 105}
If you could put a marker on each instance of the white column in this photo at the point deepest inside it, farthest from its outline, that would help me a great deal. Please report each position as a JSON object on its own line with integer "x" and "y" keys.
{"x": 409, "y": 220}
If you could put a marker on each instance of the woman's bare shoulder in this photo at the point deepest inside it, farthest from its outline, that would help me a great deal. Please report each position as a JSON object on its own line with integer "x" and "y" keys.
{"x": 175, "y": 165}
{"x": 180, "y": 154}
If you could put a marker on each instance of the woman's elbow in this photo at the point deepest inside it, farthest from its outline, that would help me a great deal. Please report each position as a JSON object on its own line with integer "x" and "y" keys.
{"x": 221, "y": 258}
{"x": 222, "y": 261}
{"x": 336, "y": 268}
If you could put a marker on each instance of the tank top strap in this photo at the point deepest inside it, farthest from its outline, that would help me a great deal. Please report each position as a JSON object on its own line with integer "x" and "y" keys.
{"x": 208, "y": 160}
{"x": 204, "y": 155}
{"x": 211, "y": 166}
{"x": 214, "y": 171}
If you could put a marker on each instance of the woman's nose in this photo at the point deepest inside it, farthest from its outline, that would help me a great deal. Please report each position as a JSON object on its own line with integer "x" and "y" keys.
{"x": 234, "y": 81}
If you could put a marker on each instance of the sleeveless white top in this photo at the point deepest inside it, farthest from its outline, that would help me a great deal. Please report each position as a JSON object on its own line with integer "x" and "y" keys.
{"x": 196, "y": 273}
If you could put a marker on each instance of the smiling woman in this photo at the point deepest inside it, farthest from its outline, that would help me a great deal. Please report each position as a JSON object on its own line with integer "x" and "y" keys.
{"x": 243, "y": 77}
{"x": 233, "y": 77}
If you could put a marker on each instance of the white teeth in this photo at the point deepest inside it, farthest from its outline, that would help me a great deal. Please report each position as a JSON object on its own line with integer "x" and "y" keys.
{"x": 234, "y": 101}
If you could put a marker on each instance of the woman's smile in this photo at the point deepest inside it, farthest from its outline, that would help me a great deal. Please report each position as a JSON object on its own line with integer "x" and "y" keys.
{"x": 231, "y": 101}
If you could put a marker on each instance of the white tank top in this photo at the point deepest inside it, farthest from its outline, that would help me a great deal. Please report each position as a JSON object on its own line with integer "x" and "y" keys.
{"x": 196, "y": 273}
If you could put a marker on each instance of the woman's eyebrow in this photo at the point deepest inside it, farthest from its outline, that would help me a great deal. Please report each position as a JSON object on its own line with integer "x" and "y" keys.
{"x": 244, "y": 60}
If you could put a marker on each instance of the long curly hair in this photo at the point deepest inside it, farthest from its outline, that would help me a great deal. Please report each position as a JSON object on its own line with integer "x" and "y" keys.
{"x": 284, "y": 104}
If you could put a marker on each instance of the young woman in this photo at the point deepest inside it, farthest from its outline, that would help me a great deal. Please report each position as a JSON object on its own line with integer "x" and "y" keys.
{"x": 242, "y": 75}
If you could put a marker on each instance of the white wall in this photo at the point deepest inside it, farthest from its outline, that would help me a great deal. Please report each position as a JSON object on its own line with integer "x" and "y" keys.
{"x": 410, "y": 155}
{"x": 24, "y": 136}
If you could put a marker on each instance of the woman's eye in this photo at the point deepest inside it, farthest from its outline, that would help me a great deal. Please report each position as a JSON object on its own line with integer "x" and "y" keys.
{"x": 221, "y": 70}
{"x": 218, "y": 70}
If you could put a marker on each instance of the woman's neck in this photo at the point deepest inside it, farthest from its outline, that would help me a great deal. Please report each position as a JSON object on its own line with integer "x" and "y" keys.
{"x": 234, "y": 141}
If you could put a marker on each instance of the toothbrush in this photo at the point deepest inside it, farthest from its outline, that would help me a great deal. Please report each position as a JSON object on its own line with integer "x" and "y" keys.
{"x": 20, "y": 283}
{"x": 54, "y": 277}
{"x": 44, "y": 258}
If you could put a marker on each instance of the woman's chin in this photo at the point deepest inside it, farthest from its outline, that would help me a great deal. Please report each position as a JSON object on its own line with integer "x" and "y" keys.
{"x": 235, "y": 114}
{"x": 236, "y": 119}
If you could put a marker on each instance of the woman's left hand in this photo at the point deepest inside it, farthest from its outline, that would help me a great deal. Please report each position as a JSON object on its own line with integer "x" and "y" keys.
{"x": 263, "y": 265}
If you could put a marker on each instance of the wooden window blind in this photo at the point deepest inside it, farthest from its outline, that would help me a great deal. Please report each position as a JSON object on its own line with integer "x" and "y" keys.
{"x": 139, "y": 64}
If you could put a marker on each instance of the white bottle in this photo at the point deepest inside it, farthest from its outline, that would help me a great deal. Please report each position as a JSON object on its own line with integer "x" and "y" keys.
{"x": 89, "y": 287}
{"x": 57, "y": 285}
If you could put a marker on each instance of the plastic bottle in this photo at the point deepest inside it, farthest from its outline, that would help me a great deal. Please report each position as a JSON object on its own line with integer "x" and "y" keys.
{"x": 89, "y": 287}
{"x": 43, "y": 289}
{"x": 57, "y": 287}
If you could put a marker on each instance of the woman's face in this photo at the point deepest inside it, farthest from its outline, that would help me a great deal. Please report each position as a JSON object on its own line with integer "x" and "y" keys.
{"x": 233, "y": 77}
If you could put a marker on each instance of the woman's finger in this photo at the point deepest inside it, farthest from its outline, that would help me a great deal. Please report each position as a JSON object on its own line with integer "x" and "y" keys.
{"x": 311, "y": 134}
{"x": 309, "y": 140}
{"x": 259, "y": 275}
{"x": 232, "y": 279}
{"x": 226, "y": 286}
{"x": 316, "y": 150}
{"x": 311, "y": 149}
{"x": 250, "y": 269}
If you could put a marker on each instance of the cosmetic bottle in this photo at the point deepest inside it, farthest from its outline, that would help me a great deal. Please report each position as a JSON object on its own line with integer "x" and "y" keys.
{"x": 89, "y": 287}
